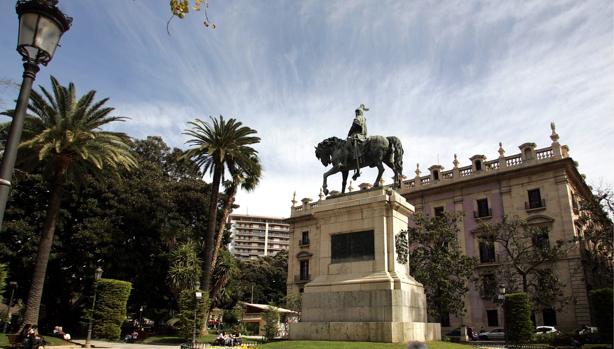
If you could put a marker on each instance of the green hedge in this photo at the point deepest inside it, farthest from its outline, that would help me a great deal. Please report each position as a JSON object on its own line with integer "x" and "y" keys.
{"x": 517, "y": 310}
{"x": 110, "y": 310}
{"x": 187, "y": 305}
{"x": 601, "y": 309}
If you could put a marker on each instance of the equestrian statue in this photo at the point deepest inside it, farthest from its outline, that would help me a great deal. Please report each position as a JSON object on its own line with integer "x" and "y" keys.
{"x": 359, "y": 150}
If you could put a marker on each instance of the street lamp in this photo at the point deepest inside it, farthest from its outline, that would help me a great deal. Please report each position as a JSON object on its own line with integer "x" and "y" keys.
{"x": 198, "y": 295}
{"x": 97, "y": 276}
{"x": 41, "y": 24}
{"x": 13, "y": 286}
{"x": 501, "y": 300}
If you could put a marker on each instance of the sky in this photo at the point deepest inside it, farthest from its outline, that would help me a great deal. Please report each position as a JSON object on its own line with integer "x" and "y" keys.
{"x": 446, "y": 77}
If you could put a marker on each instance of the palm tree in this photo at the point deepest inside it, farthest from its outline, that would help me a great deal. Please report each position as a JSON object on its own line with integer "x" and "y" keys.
{"x": 247, "y": 179}
{"x": 63, "y": 136}
{"x": 218, "y": 146}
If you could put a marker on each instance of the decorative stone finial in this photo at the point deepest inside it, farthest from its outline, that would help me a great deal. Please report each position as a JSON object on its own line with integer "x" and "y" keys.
{"x": 294, "y": 199}
{"x": 321, "y": 195}
{"x": 455, "y": 162}
{"x": 554, "y": 136}
{"x": 501, "y": 150}
{"x": 350, "y": 188}
{"x": 417, "y": 170}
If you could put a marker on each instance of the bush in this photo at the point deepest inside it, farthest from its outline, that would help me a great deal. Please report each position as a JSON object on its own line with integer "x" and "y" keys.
{"x": 110, "y": 311}
{"x": 271, "y": 320}
{"x": 601, "y": 311}
{"x": 517, "y": 310}
{"x": 187, "y": 305}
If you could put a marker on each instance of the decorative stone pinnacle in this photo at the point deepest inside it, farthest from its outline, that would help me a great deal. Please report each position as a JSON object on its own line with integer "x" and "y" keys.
{"x": 554, "y": 136}
{"x": 417, "y": 170}
{"x": 501, "y": 150}
{"x": 350, "y": 188}
{"x": 455, "y": 162}
{"x": 321, "y": 195}
{"x": 294, "y": 199}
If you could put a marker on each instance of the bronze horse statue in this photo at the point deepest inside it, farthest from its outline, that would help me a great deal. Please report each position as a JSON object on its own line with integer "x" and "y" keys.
{"x": 376, "y": 151}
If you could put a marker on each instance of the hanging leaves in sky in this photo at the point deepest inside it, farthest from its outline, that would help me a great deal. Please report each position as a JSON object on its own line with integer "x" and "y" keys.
{"x": 181, "y": 8}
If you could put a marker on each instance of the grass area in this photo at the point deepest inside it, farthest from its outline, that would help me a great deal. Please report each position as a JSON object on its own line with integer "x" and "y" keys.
{"x": 51, "y": 341}
{"x": 161, "y": 340}
{"x": 354, "y": 345}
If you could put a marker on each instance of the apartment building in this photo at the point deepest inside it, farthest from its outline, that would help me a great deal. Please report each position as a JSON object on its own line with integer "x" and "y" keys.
{"x": 257, "y": 236}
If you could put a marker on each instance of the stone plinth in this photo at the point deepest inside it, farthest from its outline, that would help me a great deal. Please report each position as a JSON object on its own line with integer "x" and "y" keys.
{"x": 367, "y": 297}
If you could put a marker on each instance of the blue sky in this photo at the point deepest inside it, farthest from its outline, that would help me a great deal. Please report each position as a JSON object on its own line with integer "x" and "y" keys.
{"x": 445, "y": 76}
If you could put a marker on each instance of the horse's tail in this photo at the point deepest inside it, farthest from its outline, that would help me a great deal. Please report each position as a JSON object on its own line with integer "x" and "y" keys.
{"x": 396, "y": 152}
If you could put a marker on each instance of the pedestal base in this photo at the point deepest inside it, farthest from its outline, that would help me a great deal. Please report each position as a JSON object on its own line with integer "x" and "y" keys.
{"x": 389, "y": 332}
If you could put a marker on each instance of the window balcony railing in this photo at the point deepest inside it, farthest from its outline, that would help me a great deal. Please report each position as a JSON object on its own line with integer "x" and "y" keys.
{"x": 482, "y": 213}
{"x": 531, "y": 205}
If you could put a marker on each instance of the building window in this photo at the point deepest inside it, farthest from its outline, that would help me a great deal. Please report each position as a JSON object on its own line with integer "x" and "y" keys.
{"x": 444, "y": 318}
{"x": 540, "y": 237}
{"x": 489, "y": 286}
{"x": 304, "y": 239}
{"x": 483, "y": 210}
{"x": 487, "y": 250}
{"x": 438, "y": 211}
{"x": 436, "y": 175}
{"x": 549, "y": 317}
{"x": 535, "y": 199}
{"x": 493, "y": 317}
{"x": 304, "y": 270}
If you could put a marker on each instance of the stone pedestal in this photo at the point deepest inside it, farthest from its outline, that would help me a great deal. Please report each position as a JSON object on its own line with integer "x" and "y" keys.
{"x": 368, "y": 297}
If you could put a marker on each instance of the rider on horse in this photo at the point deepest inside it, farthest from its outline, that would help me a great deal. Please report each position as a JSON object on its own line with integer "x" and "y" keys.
{"x": 358, "y": 136}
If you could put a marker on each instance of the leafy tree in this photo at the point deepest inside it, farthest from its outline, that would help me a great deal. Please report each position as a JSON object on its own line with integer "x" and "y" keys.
{"x": 596, "y": 233}
{"x": 64, "y": 136}
{"x": 184, "y": 269}
{"x": 267, "y": 275}
{"x": 215, "y": 147}
{"x": 271, "y": 323}
{"x": 226, "y": 268}
{"x": 437, "y": 261}
{"x": 527, "y": 258}
{"x": 110, "y": 311}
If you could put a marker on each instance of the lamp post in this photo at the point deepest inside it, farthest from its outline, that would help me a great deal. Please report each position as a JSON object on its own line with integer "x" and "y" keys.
{"x": 501, "y": 300}
{"x": 41, "y": 24}
{"x": 13, "y": 286}
{"x": 198, "y": 295}
{"x": 97, "y": 276}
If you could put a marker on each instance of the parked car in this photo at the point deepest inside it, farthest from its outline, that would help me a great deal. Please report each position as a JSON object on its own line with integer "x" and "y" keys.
{"x": 546, "y": 329}
{"x": 455, "y": 334}
{"x": 496, "y": 333}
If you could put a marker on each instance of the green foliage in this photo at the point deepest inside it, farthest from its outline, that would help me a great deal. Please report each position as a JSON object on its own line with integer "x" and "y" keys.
{"x": 518, "y": 325}
{"x": 188, "y": 305}
{"x": 267, "y": 275}
{"x": 184, "y": 266}
{"x": 271, "y": 324}
{"x": 437, "y": 262}
{"x": 226, "y": 269}
{"x": 601, "y": 311}
{"x": 110, "y": 310}
{"x": 294, "y": 301}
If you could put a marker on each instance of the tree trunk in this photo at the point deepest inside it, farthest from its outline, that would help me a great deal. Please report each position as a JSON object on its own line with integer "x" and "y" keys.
{"x": 44, "y": 247}
{"x": 525, "y": 284}
{"x": 210, "y": 240}
{"x": 226, "y": 209}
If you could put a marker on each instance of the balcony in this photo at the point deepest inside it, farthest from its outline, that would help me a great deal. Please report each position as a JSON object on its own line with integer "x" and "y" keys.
{"x": 303, "y": 243}
{"x": 302, "y": 279}
{"x": 535, "y": 205}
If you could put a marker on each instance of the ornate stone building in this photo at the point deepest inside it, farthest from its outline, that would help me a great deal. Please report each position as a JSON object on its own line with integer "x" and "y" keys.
{"x": 540, "y": 185}
{"x": 256, "y": 236}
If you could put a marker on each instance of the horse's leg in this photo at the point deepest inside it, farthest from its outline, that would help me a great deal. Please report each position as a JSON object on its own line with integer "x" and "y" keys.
{"x": 344, "y": 175}
{"x": 333, "y": 170}
{"x": 380, "y": 171}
